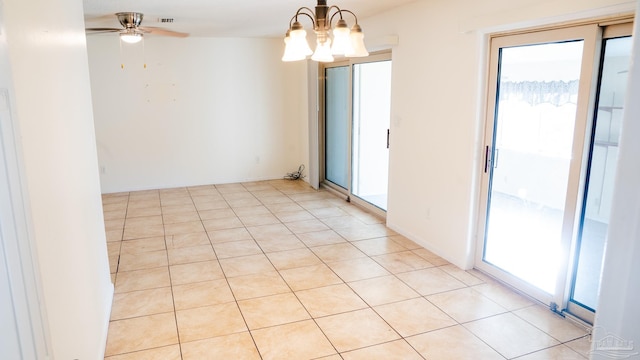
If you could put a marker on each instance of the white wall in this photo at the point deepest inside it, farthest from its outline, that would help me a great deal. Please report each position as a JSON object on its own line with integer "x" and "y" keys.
{"x": 204, "y": 111}
{"x": 23, "y": 333}
{"x": 54, "y": 125}
{"x": 618, "y": 312}
{"x": 436, "y": 119}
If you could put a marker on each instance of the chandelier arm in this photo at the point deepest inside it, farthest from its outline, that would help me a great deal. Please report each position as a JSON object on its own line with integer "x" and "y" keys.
{"x": 308, "y": 13}
{"x": 350, "y": 12}
{"x": 338, "y": 12}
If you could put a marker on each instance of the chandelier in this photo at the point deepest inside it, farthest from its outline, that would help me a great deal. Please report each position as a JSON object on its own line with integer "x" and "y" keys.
{"x": 345, "y": 41}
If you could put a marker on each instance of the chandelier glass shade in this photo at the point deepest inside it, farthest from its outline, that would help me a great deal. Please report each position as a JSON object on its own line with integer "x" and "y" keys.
{"x": 339, "y": 40}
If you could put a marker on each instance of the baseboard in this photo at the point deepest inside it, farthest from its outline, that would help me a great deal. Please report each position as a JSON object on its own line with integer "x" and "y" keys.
{"x": 422, "y": 242}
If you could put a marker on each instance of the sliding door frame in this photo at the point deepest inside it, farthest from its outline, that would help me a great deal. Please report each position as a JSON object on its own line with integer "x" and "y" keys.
{"x": 591, "y": 35}
{"x": 338, "y": 190}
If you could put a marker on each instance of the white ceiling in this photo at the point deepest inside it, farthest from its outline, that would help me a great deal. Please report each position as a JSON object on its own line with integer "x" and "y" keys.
{"x": 224, "y": 18}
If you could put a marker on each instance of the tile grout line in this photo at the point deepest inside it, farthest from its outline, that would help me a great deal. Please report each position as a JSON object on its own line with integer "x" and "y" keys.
{"x": 173, "y": 299}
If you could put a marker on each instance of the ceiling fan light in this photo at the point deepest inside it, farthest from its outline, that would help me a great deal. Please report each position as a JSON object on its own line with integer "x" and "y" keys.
{"x": 357, "y": 42}
{"x": 131, "y": 37}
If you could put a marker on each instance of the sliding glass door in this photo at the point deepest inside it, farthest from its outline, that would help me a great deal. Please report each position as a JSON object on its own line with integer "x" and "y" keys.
{"x": 357, "y": 103}
{"x": 603, "y": 156}
{"x": 550, "y": 161}
{"x": 534, "y": 132}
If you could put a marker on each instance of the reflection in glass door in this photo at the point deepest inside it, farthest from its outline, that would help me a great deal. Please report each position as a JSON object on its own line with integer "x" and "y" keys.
{"x": 602, "y": 167}
{"x": 371, "y": 118}
{"x": 337, "y": 125}
{"x": 532, "y": 150}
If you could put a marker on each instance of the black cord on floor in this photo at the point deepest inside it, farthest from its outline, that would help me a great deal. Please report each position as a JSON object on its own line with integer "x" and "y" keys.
{"x": 295, "y": 175}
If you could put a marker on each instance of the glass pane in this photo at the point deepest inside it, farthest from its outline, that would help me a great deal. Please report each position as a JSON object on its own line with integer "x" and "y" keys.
{"x": 535, "y": 119}
{"x": 371, "y": 117}
{"x": 337, "y": 125}
{"x": 602, "y": 168}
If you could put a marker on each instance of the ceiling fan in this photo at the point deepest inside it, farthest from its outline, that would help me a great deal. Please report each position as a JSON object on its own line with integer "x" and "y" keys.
{"x": 132, "y": 32}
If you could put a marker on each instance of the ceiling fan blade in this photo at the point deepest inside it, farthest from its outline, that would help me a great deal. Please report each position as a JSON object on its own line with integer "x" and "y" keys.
{"x": 161, "y": 31}
{"x": 97, "y": 30}
{"x": 99, "y": 17}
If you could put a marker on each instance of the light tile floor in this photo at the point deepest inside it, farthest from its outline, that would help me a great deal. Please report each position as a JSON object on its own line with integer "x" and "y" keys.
{"x": 277, "y": 270}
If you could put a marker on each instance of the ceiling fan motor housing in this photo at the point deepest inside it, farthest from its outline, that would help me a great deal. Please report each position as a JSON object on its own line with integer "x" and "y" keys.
{"x": 130, "y": 19}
